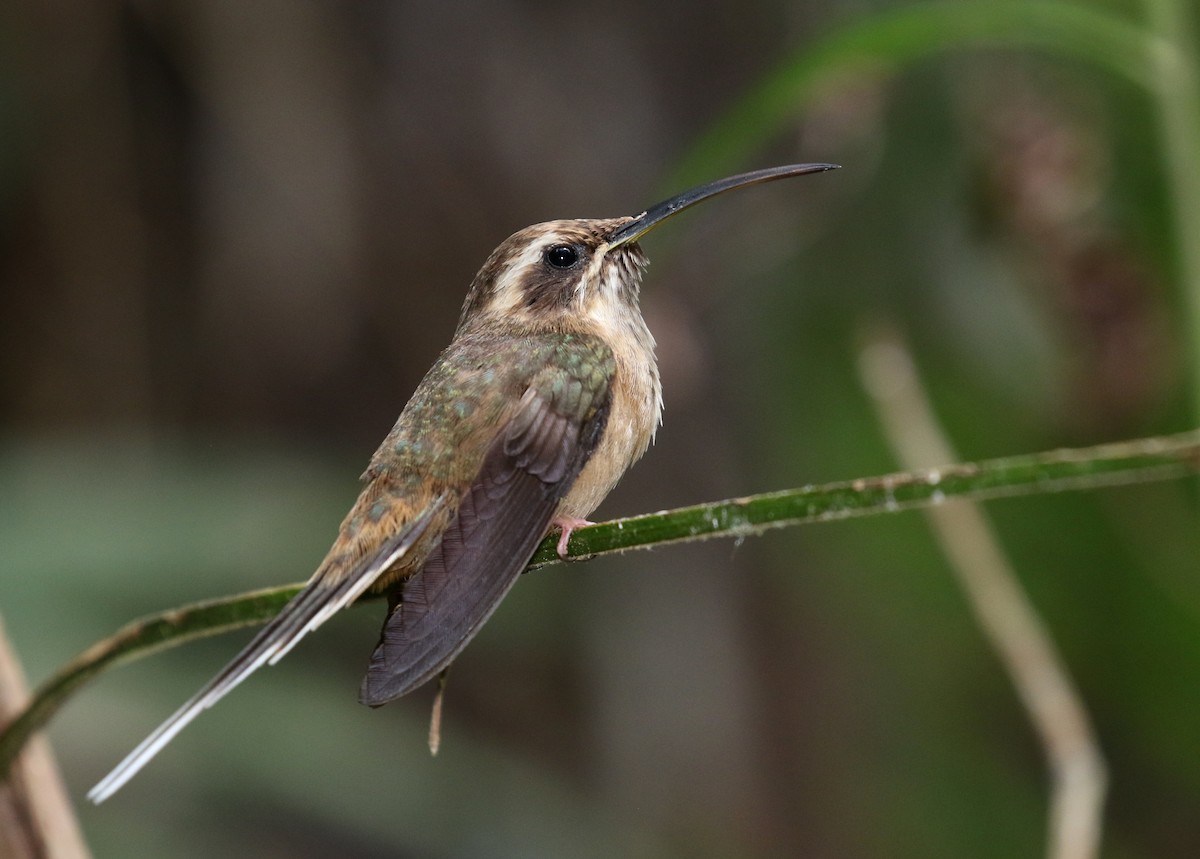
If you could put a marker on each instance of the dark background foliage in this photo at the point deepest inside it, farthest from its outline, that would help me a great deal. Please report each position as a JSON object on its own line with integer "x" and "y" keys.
{"x": 232, "y": 238}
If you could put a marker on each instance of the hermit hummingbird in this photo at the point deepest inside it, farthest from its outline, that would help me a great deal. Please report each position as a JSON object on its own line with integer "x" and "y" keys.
{"x": 547, "y": 394}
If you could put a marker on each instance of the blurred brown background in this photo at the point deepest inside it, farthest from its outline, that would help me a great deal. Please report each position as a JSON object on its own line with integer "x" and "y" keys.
{"x": 232, "y": 238}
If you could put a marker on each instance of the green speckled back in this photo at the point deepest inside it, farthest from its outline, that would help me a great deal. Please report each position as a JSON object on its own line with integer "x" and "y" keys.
{"x": 459, "y": 406}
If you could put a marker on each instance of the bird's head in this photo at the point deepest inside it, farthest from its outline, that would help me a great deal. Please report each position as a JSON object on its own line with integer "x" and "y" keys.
{"x": 560, "y": 274}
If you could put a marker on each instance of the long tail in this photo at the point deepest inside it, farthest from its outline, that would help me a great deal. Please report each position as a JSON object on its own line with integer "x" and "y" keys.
{"x": 310, "y": 608}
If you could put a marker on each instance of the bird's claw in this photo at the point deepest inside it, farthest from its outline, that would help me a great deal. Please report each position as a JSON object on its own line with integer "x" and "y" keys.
{"x": 568, "y": 524}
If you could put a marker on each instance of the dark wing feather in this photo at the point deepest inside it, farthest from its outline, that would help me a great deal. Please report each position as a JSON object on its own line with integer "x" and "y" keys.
{"x": 501, "y": 519}
{"x": 311, "y": 607}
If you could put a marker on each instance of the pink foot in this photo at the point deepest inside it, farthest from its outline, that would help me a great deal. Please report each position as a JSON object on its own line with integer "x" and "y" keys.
{"x": 567, "y": 524}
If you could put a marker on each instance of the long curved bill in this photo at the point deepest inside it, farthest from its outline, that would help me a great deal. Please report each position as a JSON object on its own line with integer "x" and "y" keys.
{"x": 656, "y": 214}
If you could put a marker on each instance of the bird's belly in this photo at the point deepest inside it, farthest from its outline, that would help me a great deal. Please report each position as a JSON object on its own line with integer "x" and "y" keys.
{"x": 633, "y": 416}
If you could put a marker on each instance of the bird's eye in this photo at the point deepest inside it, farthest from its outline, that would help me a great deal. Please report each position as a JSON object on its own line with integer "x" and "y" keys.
{"x": 562, "y": 256}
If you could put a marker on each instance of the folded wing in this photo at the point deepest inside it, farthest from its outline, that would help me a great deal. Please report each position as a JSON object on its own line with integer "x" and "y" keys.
{"x": 502, "y": 517}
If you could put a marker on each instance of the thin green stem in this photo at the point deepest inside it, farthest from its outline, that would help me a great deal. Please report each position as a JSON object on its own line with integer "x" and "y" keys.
{"x": 135, "y": 640}
{"x": 1177, "y": 87}
{"x": 1138, "y": 461}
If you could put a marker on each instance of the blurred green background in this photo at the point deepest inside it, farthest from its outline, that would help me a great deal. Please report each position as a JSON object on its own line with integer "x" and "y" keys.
{"x": 234, "y": 236}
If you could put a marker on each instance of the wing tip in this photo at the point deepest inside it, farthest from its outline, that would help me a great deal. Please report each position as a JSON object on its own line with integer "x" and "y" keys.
{"x": 379, "y": 686}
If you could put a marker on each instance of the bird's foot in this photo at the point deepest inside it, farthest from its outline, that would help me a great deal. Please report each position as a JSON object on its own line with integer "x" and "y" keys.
{"x": 567, "y": 524}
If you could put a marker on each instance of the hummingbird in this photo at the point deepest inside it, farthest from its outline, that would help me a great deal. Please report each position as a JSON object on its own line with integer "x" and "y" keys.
{"x": 547, "y": 394}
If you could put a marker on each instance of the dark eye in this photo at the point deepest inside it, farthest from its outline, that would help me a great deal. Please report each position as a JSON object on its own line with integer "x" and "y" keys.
{"x": 562, "y": 256}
